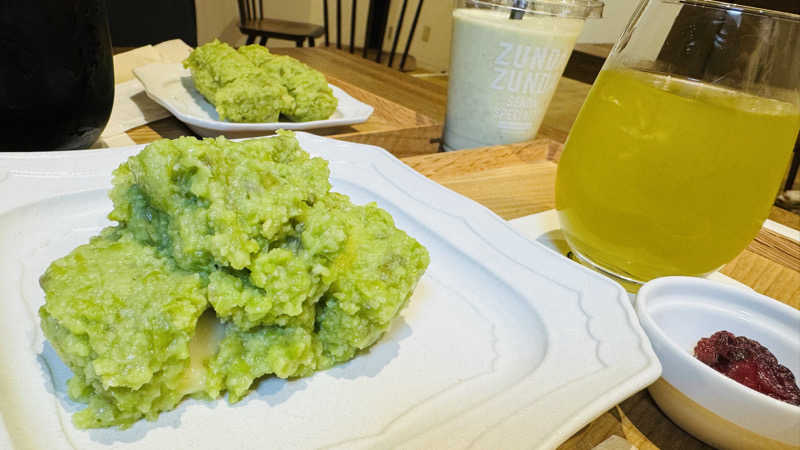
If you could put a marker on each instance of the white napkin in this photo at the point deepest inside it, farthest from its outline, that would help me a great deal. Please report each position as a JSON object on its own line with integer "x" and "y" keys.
{"x": 132, "y": 107}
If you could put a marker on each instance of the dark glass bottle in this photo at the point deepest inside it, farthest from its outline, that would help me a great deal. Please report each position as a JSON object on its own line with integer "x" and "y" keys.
{"x": 56, "y": 74}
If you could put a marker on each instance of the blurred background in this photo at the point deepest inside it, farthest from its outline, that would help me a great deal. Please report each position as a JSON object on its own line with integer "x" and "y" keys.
{"x": 430, "y": 45}
{"x": 220, "y": 19}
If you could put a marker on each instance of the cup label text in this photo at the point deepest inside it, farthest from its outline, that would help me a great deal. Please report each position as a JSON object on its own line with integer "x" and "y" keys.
{"x": 529, "y": 72}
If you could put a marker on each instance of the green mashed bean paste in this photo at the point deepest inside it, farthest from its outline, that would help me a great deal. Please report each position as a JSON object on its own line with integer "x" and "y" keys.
{"x": 229, "y": 262}
{"x": 253, "y": 85}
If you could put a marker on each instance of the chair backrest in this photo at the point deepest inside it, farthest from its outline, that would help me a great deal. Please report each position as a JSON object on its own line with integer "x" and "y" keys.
{"x": 250, "y": 10}
{"x": 377, "y": 22}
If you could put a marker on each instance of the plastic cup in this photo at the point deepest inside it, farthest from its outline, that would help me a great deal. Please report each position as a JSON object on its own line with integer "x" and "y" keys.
{"x": 507, "y": 57}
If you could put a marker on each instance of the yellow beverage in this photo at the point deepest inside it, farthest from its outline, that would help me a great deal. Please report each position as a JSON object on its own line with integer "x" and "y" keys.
{"x": 667, "y": 176}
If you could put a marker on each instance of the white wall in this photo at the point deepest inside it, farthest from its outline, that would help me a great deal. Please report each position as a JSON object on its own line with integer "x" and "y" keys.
{"x": 431, "y": 45}
{"x": 219, "y": 19}
{"x": 433, "y": 52}
{"x": 316, "y": 16}
{"x": 616, "y": 14}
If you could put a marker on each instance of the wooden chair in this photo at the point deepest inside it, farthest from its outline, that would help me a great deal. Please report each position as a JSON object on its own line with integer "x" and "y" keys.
{"x": 253, "y": 24}
{"x": 377, "y": 22}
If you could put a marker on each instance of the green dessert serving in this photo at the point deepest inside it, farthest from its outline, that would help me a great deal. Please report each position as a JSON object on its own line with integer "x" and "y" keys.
{"x": 313, "y": 98}
{"x": 253, "y": 85}
{"x": 229, "y": 261}
{"x": 239, "y": 91}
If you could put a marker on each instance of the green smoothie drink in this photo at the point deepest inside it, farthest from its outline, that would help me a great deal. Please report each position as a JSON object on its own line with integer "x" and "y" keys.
{"x": 506, "y": 60}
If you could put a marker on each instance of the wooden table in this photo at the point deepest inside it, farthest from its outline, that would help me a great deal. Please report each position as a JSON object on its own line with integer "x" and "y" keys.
{"x": 518, "y": 180}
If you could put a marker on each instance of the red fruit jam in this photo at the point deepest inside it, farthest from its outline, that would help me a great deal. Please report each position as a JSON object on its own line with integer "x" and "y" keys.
{"x": 749, "y": 363}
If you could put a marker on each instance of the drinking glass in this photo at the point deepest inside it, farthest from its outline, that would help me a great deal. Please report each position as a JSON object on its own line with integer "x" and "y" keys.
{"x": 56, "y": 74}
{"x": 505, "y": 62}
{"x": 678, "y": 152}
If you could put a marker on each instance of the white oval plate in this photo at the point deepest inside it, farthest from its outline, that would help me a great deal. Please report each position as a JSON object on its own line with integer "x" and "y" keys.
{"x": 171, "y": 86}
{"x": 504, "y": 344}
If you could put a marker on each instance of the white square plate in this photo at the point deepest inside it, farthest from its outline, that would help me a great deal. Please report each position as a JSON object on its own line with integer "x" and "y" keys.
{"x": 171, "y": 86}
{"x": 505, "y": 344}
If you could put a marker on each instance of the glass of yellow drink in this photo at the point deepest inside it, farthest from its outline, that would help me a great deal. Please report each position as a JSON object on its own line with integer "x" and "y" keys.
{"x": 678, "y": 152}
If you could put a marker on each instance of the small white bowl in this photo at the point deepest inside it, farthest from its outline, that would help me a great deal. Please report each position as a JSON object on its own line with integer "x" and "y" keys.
{"x": 676, "y": 312}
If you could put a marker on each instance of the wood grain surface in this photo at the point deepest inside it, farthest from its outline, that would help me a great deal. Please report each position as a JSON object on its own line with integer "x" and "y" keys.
{"x": 413, "y": 93}
{"x": 430, "y": 99}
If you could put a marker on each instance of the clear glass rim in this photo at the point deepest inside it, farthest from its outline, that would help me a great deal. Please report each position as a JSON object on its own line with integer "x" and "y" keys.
{"x": 741, "y": 8}
{"x": 581, "y": 9}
